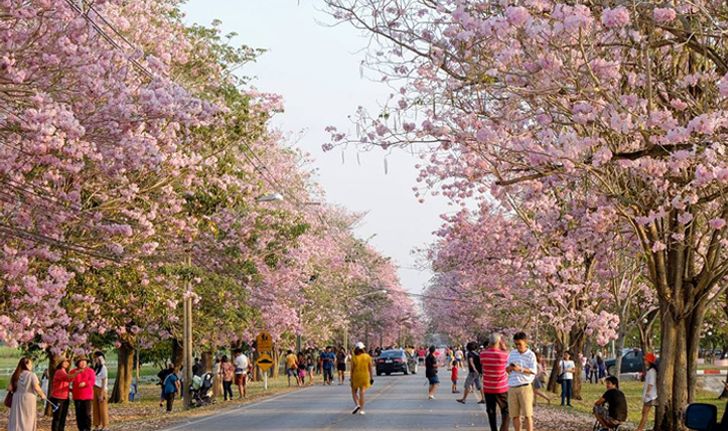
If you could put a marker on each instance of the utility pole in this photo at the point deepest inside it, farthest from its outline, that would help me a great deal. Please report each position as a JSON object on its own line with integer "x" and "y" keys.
{"x": 187, "y": 345}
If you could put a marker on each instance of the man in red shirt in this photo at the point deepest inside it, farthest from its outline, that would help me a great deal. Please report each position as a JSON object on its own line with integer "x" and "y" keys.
{"x": 83, "y": 393}
{"x": 495, "y": 380}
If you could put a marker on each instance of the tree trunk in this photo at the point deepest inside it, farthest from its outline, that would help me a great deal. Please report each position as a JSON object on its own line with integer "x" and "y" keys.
{"x": 578, "y": 339}
{"x": 694, "y": 326}
{"x": 559, "y": 352}
{"x": 672, "y": 380}
{"x": 206, "y": 361}
{"x": 178, "y": 356}
{"x": 124, "y": 375}
{"x": 619, "y": 346}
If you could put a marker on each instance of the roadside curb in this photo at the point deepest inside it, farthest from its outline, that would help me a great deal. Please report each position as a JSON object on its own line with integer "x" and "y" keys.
{"x": 234, "y": 409}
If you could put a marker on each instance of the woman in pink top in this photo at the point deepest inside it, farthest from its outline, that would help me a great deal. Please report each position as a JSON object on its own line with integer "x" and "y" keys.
{"x": 83, "y": 393}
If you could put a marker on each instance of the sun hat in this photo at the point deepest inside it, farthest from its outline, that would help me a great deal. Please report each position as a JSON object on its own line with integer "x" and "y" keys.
{"x": 359, "y": 345}
{"x": 651, "y": 358}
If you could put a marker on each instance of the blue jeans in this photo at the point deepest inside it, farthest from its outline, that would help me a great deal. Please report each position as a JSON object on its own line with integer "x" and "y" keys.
{"x": 566, "y": 386}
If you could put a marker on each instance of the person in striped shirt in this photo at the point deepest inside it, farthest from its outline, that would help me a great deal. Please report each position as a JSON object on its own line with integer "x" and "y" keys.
{"x": 493, "y": 361}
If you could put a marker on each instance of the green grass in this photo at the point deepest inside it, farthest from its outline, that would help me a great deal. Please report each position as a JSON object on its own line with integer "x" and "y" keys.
{"x": 633, "y": 392}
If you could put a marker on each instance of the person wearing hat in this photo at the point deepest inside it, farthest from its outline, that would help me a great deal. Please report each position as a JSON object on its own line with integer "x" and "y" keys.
{"x": 361, "y": 377}
{"x": 83, "y": 393}
{"x": 649, "y": 391}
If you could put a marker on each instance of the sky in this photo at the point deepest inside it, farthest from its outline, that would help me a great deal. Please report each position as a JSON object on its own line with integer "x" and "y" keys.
{"x": 316, "y": 68}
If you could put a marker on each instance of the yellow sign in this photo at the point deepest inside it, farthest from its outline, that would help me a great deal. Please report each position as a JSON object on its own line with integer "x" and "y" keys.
{"x": 264, "y": 342}
{"x": 265, "y": 361}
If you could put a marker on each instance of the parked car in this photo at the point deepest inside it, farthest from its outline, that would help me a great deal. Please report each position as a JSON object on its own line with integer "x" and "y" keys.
{"x": 395, "y": 361}
{"x": 632, "y": 362}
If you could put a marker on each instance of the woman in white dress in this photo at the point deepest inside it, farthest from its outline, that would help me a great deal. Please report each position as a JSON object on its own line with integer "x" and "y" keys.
{"x": 25, "y": 386}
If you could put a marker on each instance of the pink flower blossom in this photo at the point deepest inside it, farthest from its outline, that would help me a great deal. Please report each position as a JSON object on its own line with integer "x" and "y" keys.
{"x": 664, "y": 15}
{"x": 717, "y": 223}
{"x": 615, "y": 17}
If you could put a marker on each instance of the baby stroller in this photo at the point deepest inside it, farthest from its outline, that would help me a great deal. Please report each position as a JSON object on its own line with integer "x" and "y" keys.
{"x": 201, "y": 390}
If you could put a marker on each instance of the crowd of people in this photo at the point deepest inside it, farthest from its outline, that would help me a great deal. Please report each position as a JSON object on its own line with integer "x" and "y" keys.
{"x": 507, "y": 381}
{"x": 86, "y": 386}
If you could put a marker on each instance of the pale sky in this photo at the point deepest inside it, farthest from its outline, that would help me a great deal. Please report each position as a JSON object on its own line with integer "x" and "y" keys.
{"x": 316, "y": 70}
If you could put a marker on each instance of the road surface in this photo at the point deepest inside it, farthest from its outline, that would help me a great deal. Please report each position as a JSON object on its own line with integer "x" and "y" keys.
{"x": 394, "y": 403}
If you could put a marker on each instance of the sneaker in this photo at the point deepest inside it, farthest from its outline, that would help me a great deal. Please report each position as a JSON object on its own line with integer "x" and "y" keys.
{"x": 362, "y": 412}
{"x": 460, "y": 400}
{"x": 356, "y": 410}
{"x": 430, "y": 397}
{"x": 481, "y": 402}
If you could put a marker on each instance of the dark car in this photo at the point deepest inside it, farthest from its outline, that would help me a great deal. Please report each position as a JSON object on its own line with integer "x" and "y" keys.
{"x": 394, "y": 361}
{"x": 632, "y": 362}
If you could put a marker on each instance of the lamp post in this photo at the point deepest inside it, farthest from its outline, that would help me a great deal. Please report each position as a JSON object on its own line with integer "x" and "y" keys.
{"x": 187, "y": 343}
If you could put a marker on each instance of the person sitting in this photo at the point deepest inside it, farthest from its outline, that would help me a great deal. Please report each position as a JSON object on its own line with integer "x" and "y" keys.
{"x": 615, "y": 412}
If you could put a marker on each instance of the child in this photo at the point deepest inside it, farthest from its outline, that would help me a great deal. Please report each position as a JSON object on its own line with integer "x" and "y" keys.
{"x": 454, "y": 376}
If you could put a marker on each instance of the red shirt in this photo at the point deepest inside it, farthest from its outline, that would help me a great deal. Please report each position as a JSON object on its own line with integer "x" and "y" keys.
{"x": 88, "y": 376}
{"x": 61, "y": 384}
{"x": 454, "y": 374}
{"x": 495, "y": 379}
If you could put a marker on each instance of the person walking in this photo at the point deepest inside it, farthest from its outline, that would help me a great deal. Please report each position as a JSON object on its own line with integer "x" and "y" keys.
{"x": 431, "y": 373}
{"x": 227, "y": 374}
{"x": 601, "y": 368}
{"x": 649, "y": 390}
{"x": 100, "y": 406}
{"x": 328, "y": 358}
{"x": 60, "y": 388}
{"x": 241, "y": 363}
{"x": 494, "y": 360}
{"x": 475, "y": 373}
{"x": 341, "y": 364}
{"x": 540, "y": 381}
{"x": 25, "y": 386}
{"x": 292, "y": 367}
{"x": 83, "y": 393}
{"x": 566, "y": 374}
{"x": 361, "y": 377}
{"x": 171, "y": 386}
{"x": 161, "y": 375}
{"x": 459, "y": 356}
{"x": 301, "y": 361}
{"x": 521, "y": 371}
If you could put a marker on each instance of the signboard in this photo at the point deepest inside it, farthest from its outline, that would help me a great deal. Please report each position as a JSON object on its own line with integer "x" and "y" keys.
{"x": 265, "y": 361}
{"x": 264, "y": 342}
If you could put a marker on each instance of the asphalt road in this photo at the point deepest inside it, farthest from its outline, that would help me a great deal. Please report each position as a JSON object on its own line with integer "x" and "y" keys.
{"x": 393, "y": 403}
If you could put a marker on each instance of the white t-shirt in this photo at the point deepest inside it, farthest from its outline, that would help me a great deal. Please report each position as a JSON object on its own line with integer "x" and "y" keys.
{"x": 241, "y": 364}
{"x": 459, "y": 354}
{"x": 102, "y": 378}
{"x": 567, "y": 365}
{"x": 527, "y": 360}
{"x": 650, "y": 380}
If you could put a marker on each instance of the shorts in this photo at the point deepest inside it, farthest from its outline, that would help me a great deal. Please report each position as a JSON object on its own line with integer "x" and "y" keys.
{"x": 520, "y": 401}
{"x": 537, "y": 384}
{"x": 328, "y": 373}
{"x": 292, "y": 372}
{"x": 341, "y": 367}
{"x": 474, "y": 379}
{"x": 301, "y": 373}
{"x": 241, "y": 379}
{"x": 603, "y": 413}
{"x": 434, "y": 380}
{"x": 651, "y": 403}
